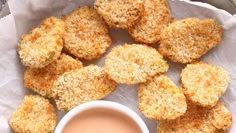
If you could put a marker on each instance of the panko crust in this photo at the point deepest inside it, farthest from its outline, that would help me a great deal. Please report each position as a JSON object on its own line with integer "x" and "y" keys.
{"x": 43, "y": 45}
{"x": 220, "y": 117}
{"x": 203, "y": 83}
{"x": 86, "y": 34}
{"x": 80, "y": 86}
{"x": 41, "y": 80}
{"x": 155, "y": 18}
{"x": 134, "y": 63}
{"x": 160, "y": 99}
{"x": 199, "y": 120}
{"x": 186, "y": 40}
{"x": 120, "y": 13}
{"x": 35, "y": 115}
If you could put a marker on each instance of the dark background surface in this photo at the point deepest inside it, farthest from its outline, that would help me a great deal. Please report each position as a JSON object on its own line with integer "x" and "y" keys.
{"x": 2, "y": 2}
{"x": 228, "y": 5}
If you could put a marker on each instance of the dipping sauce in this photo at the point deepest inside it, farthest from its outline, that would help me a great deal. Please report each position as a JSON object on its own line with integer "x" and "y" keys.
{"x": 101, "y": 120}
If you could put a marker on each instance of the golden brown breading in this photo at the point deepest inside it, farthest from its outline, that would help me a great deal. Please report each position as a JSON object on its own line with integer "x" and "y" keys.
{"x": 160, "y": 99}
{"x": 203, "y": 83}
{"x": 43, "y": 45}
{"x": 134, "y": 63}
{"x": 173, "y": 19}
{"x": 119, "y": 13}
{"x": 41, "y": 80}
{"x": 186, "y": 40}
{"x": 86, "y": 34}
{"x": 34, "y": 115}
{"x": 80, "y": 86}
{"x": 155, "y": 18}
{"x": 199, "y": 120}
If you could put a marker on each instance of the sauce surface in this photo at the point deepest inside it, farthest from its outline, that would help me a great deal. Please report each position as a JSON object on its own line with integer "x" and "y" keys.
{"x": 101, "y": 120}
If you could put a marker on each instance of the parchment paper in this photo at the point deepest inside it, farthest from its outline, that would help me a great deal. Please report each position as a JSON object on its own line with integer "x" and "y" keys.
{"x": 26, "y": 14}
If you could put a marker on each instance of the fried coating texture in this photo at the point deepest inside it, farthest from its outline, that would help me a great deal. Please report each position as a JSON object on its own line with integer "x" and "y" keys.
{"x": 80, "y": 86}
{"x": 203, "y": 83}
{"x": 160, "y": 99}
{"x": 41, "y": 80}
{"x": 43, "y": 45}
{"x": 199, "y": 120}
{"x": 186, "y": 40}
{"x": 134, "y": 63}
{"x": 155, "y": 18}
{"x": 34, "y": 115}
{"x": 86, "y": 34}
{"x": 120, "y": 13}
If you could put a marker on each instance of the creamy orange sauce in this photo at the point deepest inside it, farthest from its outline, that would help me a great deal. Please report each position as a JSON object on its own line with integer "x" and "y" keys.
{"x": 101, "y": 120}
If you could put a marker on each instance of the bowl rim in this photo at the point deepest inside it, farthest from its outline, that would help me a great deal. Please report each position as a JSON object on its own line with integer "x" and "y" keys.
{"x": 101, "y": 104}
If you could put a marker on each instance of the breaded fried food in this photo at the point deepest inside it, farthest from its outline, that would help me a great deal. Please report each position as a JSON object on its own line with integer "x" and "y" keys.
{"x": 43, "y": 45}
{"x": 199, "y": 120}
{"x": 80, "y": 86}
{"x": 86, "y": 34}
{"x": 34, "y": 115}
{"x": 41, "y": 80}
{"x": 155, "y": 18}
{"x": 186, "y": 40}
{"x": 203, "y": 83}
{"x": 120, "y": 13}
{"x": 134, "y": 63}
{"x": 160, "y": 99}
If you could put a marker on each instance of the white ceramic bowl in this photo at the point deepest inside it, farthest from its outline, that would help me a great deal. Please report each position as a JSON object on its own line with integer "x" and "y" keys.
{"x": 98, "y": 104}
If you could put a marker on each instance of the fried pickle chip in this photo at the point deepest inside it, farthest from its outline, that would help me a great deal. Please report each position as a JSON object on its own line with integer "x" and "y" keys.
{"x": 41, "y": 80}
{"x": 160, "y": 99}
{"x": 186, "y": 40}
{"x": 86, "y": 34}
{"x": 155, "y": 18}
{"x": 43, "y": 45}
{"x": 34, "y": 115}
{"x": 120, "y": 13}
{"x": 81, "y": 85}
{"x": 199, "y": 120}
{"x": 203, "y": 83}
{"x": 134, "y": 63}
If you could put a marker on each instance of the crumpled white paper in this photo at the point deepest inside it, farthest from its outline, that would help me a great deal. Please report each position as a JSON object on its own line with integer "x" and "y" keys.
{"x": 26, "y": 14}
